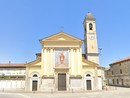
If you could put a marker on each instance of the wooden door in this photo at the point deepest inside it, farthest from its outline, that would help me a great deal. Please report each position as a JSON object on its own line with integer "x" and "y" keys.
{"x": 88, "y": 84}
{"x": 61, "y": 81}
{"x": 34, "y": 85}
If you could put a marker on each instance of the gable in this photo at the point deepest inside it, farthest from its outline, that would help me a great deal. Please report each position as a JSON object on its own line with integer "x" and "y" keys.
{"x": 36, "y": 62}
{"x": 87, "y": 63}
{"x": 60, "y": 37}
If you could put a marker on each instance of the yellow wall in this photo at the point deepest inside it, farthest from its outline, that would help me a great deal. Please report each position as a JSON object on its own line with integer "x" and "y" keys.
{"x": 75, "y": 57}
{"x": 33, "y": 69}
{"x": 88, "y": 69}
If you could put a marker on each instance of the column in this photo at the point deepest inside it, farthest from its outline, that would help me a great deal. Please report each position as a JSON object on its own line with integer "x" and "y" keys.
{"x": 51, "y": 66}
{"x": 69, "y": 58}
{"x": 96, "y": 78}
{"x": 53, "y": 57}
{"x": 72, "y": 61}
{"x": 48, "y": 63}
{"x": 44, "y": 61}
{"x": 78, "y": 61}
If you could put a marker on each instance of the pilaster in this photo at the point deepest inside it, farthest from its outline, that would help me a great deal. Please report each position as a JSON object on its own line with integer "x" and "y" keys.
{"x": 44, "y": 62}
{"x": 72, "y": 61}
{"x": 52, "y": 61}
{"x": 78, "y": 61}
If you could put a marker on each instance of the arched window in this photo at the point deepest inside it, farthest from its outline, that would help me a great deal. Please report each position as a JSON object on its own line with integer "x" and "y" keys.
{"x": 35, "y": 75}
{"x": 90, "y": 26}
{"x": 88, "y": 75}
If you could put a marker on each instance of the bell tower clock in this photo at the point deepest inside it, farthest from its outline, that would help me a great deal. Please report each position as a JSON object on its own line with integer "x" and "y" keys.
{"x": 90, "y": 39}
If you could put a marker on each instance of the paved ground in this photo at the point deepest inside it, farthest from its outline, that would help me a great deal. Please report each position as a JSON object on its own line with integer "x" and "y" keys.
{"x": 113, "y": 93}
{"x": 12, "y": 95}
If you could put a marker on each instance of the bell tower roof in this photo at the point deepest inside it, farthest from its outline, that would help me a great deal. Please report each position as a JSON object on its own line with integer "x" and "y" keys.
{"x": 89, "y": 16}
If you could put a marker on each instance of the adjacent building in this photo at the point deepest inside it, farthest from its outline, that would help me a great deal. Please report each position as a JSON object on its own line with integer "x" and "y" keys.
{"x": 12, "y": 76}
{"x": 119, "y": 73}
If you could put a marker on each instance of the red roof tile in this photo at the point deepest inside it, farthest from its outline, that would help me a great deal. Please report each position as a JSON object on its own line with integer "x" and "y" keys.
{"x": 120, "y": 61}
{"x": 11, "y": 65}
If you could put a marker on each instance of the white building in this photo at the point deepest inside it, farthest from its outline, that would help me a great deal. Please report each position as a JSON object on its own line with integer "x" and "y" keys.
{"x": 12, "y": 77}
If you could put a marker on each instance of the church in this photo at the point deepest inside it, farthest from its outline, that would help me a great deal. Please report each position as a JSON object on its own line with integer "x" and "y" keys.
{"x": 63, "y": 66}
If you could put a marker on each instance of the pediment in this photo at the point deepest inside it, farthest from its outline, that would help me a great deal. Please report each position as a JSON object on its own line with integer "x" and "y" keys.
{"x": 61, "y": 37}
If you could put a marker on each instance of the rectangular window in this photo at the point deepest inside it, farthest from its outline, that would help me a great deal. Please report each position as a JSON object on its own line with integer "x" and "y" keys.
{"x": 122, "y": 82}
{"x": 117, "y": 81}
{"x": 120, "y": 71}
{"x": 113, "y": 81}
{"x": 112, "y": 72}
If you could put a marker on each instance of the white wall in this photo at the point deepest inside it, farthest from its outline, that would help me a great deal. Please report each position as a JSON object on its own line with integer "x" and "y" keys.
{"x": 12, "y": 71}
{"x": 47, "y": 84}
{"x": 99, "y": 83}
{"x": 12, "y": 85}
{"x": 76, "y": 84}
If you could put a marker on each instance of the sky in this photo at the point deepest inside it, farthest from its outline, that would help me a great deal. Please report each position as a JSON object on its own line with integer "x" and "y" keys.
{"x": 24, "y": 22}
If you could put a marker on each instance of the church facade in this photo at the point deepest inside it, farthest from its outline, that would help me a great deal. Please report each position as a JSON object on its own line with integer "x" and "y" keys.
{"x": 62, "y": 66}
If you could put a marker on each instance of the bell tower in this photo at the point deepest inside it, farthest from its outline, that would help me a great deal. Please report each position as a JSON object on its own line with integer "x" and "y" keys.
{"x": 90, "y": 39}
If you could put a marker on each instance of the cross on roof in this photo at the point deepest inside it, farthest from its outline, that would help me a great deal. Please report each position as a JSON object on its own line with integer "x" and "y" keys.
{"x": 61, "y": 28}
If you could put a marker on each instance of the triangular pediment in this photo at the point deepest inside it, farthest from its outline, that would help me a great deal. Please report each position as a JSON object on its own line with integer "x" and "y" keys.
{"x": 61, "y": 37}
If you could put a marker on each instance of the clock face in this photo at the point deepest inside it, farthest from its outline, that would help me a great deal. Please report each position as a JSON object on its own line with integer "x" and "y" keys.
{"x": 91, "y": 37}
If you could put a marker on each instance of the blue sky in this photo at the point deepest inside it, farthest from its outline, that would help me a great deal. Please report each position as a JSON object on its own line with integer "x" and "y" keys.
{"x": 24, "y": 22}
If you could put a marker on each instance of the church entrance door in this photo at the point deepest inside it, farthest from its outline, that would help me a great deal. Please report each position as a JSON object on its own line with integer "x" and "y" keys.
{"x": 61, "y": 81}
